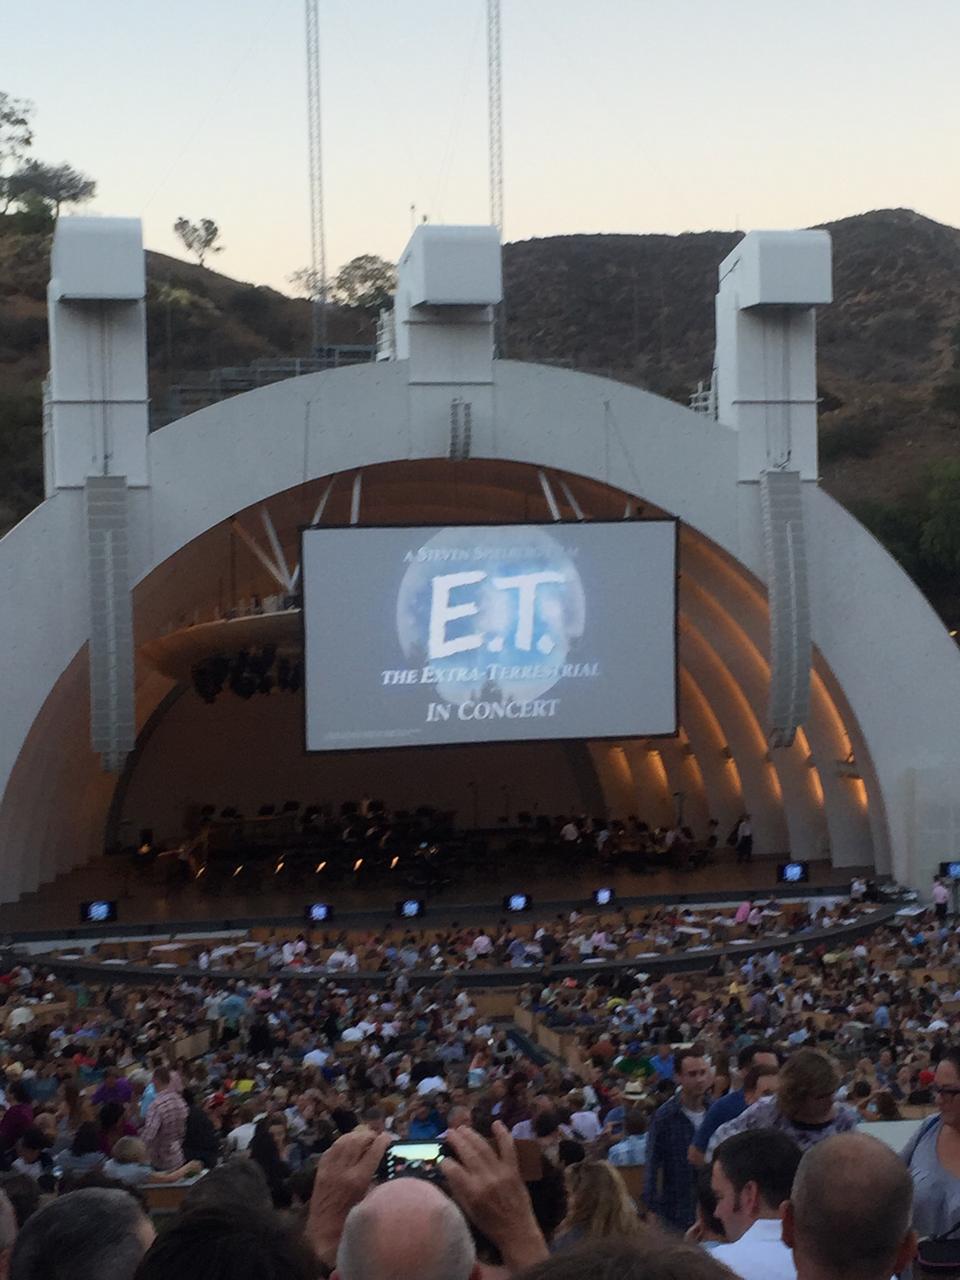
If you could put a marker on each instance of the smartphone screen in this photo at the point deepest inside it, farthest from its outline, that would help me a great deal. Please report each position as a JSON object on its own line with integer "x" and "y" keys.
{"x": 420, "y": 1158}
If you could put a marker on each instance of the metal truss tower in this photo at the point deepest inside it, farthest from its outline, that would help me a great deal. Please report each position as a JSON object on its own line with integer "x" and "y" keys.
{"x": 318, "y": 247}
{"x": 496, "y": 118}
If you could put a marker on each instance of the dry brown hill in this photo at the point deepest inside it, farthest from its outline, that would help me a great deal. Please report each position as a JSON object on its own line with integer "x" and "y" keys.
{"x": 639, "y": 308}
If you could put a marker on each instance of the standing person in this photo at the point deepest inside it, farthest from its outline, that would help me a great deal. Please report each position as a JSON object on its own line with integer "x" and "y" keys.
{"x": 941, "y": 898}
{"x": 760, "y": 1066}
{"x": 166, "y": 1123}
{"x": 598, "y": 1206}
{"x": 848, "y": 1216}
{"x": 670, "y": 1184}
{"x": 752, "y": 1175}
{"x": 745, "y": 839}
{"x": 932, "y": 1156}
{"x": 804, "y": 1107}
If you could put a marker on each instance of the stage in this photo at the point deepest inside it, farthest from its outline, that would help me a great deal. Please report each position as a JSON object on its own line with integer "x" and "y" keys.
{"x": 144, "y": 905}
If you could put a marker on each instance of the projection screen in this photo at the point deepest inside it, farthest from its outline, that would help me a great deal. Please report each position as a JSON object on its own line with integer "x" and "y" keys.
{"x": 464, "y": 634}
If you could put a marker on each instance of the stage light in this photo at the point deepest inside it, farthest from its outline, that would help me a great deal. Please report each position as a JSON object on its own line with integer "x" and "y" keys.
{"x": 410, "y": 908}
{"x": 793, "y": 872}
{"x": 604, "y": 897}
{"x": 515, "y": 902}
{"x": 394, "y": 860}
{"x": 199, "y": 873}
{"x": 320, "y": 866}
{"x": 318, "y": 912}
{"x": 98, "y": 912}
{"x": 237, "y": 869}
{"x": 358, "y": 864}
{"x": 279, "y": 867}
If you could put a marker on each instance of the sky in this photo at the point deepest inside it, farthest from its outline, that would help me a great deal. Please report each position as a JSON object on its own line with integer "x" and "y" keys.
{"x": 618, "y": 115}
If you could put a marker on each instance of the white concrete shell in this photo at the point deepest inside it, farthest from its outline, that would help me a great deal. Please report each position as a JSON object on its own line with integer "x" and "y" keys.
{"x": 886, "y": 683}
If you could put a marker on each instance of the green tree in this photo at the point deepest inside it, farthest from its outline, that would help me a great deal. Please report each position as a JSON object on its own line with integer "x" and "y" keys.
{"x": 367, "y": 283}
{"x": 200, "y": 238}
{"x": 306, "y": 280}
{"x": 16, "y": 138}
{"x": 55, "y": 184}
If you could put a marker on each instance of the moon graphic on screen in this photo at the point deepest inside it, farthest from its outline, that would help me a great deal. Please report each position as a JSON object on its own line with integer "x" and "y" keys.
{"x": 510, "y": 601}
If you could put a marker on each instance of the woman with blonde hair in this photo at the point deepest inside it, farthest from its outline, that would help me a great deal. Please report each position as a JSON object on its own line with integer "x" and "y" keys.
{"x": 598, "y": 1206}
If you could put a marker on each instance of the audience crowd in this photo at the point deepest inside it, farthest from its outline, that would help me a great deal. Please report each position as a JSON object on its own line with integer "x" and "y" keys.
{"x": 703, "y": 1125}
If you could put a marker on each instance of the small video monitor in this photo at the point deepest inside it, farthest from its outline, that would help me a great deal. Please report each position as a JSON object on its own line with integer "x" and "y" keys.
{"x": 410, "y": 908}
{"x": 318, "y": 912}
{"x": 604, "y": 897}
{"x": 951, "y": 870}
{"x": 98, "y": 912}
{"x": 793, "y": 872}
{"x": 517, "y": 902}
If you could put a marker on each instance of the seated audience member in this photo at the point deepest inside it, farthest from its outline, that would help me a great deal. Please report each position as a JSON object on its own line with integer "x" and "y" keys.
{"x": 406, "y": 1227}
{"x": 848, "y": 1216}
{"x": 18, "y": 1116}
{"x": 707, "y": 1229}
{"x": 84, "y": 1152}
{"x": 633, "y": 1149}
{"x": 201, "y": 1141}
{"x": 129, "y": 1164}
{"x": 268, "y": 1153}
{"x": 756, "y": 1084}
{"x": 238, "y": 1182}
{"x": 93, "y": 1234}
{"x": 33, "y": 1159}
{"x": 804, "y": 1108}
{"x": 752, "y": 1175}
{"x": 598, "y": 1206}
{"x": 228, "y": 1244}
{"x": 23, "y": 1193}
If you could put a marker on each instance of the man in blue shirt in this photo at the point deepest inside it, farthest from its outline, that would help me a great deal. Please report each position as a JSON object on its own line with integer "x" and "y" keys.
{"x": 669, "y": 1185}
{"x": 632, "y": 1150}
{"x": 662, "y": 1064}
{"x": 736, "y": 1102}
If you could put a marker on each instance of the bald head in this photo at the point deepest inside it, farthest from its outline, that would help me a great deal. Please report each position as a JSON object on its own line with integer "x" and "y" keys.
{"x": 849, "y": 1214}
{"x": 406, "y": 1230}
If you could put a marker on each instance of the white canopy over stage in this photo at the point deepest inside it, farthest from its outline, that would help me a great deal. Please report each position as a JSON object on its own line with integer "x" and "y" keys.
{"x": 818, "y": 691}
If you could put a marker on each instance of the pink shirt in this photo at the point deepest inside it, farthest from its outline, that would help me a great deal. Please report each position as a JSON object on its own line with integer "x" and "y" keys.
{"x": 743, "y": 912}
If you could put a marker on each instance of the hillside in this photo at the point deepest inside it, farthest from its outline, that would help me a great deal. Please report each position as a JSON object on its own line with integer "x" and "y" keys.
{"x": 638, "y": 308}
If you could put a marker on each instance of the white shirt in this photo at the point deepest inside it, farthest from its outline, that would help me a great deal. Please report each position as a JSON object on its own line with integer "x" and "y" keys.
{"x": 316, "y": 1058}
{"x": 570, "y": 832}
{"x": 759, "y": 1254}
{"x": 431, "y": 1084}
{"x": 239, "y": 1139}
{"x": 586, "y": 1125}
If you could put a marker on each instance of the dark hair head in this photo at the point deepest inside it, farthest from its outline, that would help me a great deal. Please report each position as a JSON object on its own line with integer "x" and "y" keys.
{"x": 692, "y": 1051}
{"x": 764, "y": 1156}
{"x": 653, "y": 1257}
{"x": 111, "y": 1113}
{"x": 228, "y": 1244}
{"x": 749, "y": 1051}
{"x": 34, "y": 1139}
{"x": 18, "y": 1091}
{"x": 635, "y": 1121}
{"x": 86, "y": 1140}
{"x": 806, "y": 1074}
{"x": 545, "y": 1124}
{"x": 754, "y": 1075}
{"x": 238, "y": 1183}
{"x": 86, "y": 1235}
{"x": 22, "y": 1192}
{"x": 570, "y": 1152}
{"x": 952, "y": 1055}
{"x": 707, "y": 1201}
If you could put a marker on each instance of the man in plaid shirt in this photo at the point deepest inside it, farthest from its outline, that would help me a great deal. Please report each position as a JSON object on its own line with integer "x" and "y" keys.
{"x": 669, "y": 1186}
{"x": 165, "y": 1124}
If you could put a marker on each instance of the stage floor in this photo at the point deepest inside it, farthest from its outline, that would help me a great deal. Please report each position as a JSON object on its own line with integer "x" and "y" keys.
{"x": 56, "y": 905}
